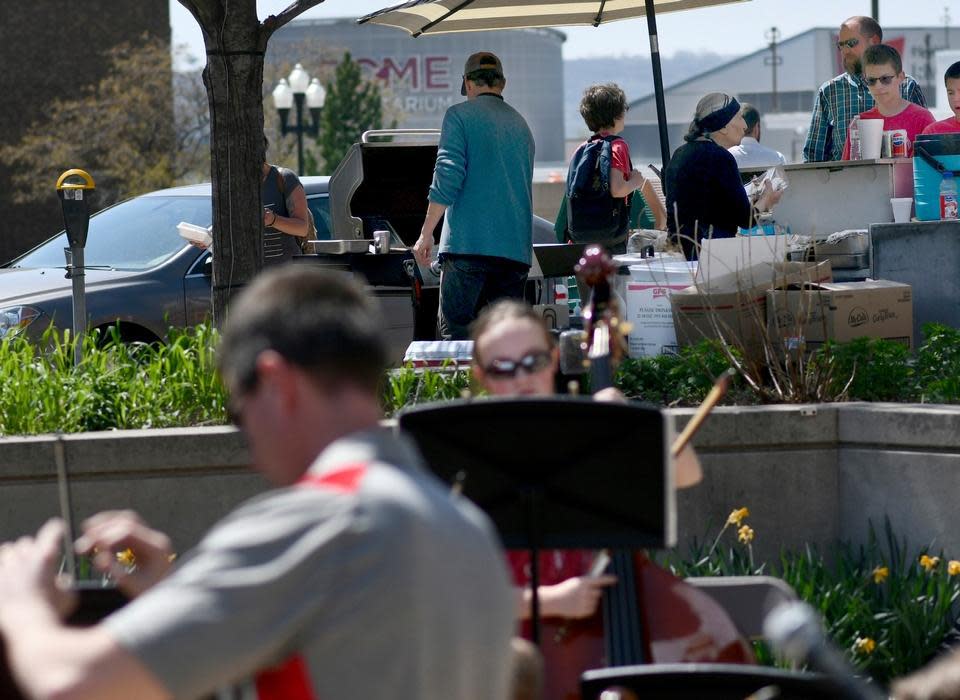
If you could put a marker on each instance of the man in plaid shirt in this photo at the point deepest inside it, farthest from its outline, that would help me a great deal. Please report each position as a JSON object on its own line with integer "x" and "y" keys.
{"x": 839, "y": 100}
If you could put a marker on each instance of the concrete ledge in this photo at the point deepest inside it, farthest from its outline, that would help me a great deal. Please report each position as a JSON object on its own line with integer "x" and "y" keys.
{"x": 809, "y": 474}
{"x": 181, "y": 479}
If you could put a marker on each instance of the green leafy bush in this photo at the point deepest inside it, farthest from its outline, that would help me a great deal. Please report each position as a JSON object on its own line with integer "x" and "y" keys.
{"x": 879, "y": 369}
{"x": 681, "y": 379}
{"x": 937, "y": 367}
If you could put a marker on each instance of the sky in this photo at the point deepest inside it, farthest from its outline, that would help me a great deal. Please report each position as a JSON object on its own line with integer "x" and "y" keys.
{"x": 742, "y": 25}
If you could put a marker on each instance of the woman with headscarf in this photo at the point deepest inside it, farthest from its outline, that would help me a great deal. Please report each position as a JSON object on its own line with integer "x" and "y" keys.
{"x": 705, "y": 196}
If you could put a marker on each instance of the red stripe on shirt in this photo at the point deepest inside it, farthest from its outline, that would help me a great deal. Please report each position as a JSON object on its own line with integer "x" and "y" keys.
{"x": 345, "y": 479}
{"x": 288, "y": 681}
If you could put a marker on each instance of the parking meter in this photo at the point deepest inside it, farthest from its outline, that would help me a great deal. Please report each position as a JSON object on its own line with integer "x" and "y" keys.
{"x": 75, "y": 201}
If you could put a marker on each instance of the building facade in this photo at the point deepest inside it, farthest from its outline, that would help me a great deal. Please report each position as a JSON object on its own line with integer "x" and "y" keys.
{"x": 421, "y": 77}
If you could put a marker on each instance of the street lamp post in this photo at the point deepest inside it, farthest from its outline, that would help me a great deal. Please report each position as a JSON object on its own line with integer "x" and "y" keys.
{"x": 295, "y": 90}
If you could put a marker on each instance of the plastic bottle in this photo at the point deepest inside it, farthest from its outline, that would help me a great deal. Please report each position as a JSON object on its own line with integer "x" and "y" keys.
{"x": 948, "y": 197}
{"x": 855, "y": 152}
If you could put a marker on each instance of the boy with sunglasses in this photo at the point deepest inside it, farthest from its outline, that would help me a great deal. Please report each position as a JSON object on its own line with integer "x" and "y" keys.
{"x": 883, "y": 74}
{"x": 950, "y": 125}
{"x": 841, "y": 98}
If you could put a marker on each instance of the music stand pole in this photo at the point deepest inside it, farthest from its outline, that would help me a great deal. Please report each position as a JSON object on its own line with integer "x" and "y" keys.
{"x": 534, "y": 567}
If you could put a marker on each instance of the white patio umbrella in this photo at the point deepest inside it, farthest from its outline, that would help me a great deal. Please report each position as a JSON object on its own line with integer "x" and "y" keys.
{"x": 419, "y": 17}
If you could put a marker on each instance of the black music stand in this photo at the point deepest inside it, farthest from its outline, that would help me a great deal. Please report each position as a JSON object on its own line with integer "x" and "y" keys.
{"x": 559, "y": 472}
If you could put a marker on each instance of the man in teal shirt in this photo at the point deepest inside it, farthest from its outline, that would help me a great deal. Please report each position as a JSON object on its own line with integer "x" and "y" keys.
{"x": 482, "y": 189}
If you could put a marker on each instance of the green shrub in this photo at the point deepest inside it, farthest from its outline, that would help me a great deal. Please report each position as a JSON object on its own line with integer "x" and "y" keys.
{"x": 683, "y": 378}
{"x": 879, "y": 369}
{"x": 938, "y": 365}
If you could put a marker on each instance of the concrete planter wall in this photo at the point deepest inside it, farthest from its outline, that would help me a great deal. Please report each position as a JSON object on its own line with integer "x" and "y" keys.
{"x": 809, "y": 474}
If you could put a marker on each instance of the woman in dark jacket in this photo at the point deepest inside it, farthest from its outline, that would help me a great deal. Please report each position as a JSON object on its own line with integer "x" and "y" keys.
{"x": 705, "y": 196}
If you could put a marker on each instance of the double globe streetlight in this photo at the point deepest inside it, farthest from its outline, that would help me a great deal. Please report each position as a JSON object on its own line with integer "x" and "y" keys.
{"x": 297, "y": 89}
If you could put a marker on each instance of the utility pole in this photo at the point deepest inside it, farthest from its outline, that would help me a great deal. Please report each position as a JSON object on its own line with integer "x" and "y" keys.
{"x": 773, "y": 60}
{"x": 946, "y": 27}
{"x": 875, "y": 10}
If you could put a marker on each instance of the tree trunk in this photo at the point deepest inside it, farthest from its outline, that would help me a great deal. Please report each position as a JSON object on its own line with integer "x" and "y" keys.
{"x": 236, "y": 42}
{"x": 234, "y": 80}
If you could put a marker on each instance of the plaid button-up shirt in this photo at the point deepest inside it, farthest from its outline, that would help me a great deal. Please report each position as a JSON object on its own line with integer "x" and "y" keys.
{"x": 838, "y": 101}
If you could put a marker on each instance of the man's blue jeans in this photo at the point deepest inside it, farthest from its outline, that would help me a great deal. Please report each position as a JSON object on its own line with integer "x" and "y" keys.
{"x": 470, "y": 282}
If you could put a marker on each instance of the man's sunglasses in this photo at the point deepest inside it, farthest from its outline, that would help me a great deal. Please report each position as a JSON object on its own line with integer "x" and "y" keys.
{"x": 531, "y": 363}
{"x": 849, "y": 43}
{"x": 884, "y": 79}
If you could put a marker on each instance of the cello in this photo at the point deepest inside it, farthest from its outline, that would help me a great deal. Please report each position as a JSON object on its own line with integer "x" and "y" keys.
{"x": 649, "y": 615}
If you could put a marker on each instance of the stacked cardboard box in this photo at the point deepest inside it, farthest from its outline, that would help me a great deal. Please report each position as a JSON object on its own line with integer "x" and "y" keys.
{"x": 734, "y": 305}
{"x": 808, "y": 316}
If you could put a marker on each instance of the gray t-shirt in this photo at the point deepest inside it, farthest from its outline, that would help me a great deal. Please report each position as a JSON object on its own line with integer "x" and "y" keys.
{"x": 278, "y": 246}
{"x": 365, "y": 580}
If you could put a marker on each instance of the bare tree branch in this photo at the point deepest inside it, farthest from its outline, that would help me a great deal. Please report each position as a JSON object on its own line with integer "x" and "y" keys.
{"x": 292, "y": 11}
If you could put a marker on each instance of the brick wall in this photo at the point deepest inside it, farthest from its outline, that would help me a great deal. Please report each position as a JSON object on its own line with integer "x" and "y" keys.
{"x": 48, "y": 49}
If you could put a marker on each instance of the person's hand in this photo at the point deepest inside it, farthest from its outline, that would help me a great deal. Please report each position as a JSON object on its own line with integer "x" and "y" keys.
{"x": 939, "y": 680}
{"x": 198, "y": 244}
{"x": 28, "y": 573}
{"x": 574, "y": 598}
{"x": 269, "y": 217}
{"x": 423, "y": 248}
{"x": 111, "y": 532}
{"x": 611, "y": 394}
{"x": 769, "y": 198}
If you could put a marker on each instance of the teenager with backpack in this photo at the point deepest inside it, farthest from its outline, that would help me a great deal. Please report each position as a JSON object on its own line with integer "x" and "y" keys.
{"x": 601, "y": 181}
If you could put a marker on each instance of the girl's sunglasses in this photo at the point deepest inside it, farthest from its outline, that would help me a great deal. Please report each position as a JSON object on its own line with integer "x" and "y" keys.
{"x": 531, "y": 363}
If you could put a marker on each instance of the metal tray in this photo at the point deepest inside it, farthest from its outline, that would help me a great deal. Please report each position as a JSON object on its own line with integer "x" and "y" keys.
{"x": 339, "y": 246}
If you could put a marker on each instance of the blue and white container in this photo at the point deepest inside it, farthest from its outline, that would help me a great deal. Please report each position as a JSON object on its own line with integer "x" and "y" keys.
{"x": 945, "y": 148}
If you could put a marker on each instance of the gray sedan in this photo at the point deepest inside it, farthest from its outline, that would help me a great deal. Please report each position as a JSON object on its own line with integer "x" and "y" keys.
{"x": 140, "y": 273}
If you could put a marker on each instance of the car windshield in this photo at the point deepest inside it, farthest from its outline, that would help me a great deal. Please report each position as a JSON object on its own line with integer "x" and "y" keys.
{"x": 134, "y": 235}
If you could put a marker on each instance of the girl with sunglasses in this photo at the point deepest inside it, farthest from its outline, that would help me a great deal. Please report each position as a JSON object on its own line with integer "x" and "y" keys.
{"x": 883, "y": 74}
{"x": 515, "y": 355}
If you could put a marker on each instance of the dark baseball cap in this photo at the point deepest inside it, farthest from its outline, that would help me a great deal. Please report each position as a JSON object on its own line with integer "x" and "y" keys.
{"x": 483, "y": 60}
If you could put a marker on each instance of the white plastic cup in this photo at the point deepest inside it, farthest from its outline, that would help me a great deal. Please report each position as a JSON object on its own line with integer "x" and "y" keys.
{"x": 871, "y": 138}
{"x": 901, "y": 208}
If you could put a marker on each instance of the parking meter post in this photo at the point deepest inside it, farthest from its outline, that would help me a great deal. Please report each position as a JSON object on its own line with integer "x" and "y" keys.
{"x": 78, "y": 281}
{"x": 75, "y": 202}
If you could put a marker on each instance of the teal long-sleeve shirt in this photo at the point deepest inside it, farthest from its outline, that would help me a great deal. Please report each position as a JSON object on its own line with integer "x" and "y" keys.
{"x": 484, "y": 176}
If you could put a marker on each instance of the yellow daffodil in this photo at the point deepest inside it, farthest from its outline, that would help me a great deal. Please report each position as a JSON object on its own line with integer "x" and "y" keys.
{"x": 864, "y": 645}
{"x": 745, "y": 534}
{"x": 126, "y": 557}
{"x": 929, "y": 563}
{"x": 953, "y": 567}
{"x": 737, "y": 516}
{"x": 880, "y": 574}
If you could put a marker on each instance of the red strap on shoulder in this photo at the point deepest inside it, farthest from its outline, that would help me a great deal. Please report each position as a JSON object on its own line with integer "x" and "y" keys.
{"x": 289, "y": 681}
{"x": 347, "y": 478}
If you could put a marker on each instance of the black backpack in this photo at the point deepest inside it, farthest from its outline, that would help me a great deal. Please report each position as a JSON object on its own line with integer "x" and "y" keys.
{"x": 593, "y": 214}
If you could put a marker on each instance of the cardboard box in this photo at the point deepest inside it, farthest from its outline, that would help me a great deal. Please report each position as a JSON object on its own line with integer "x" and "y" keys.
{"x": 840, "y": 311}
{"x": 734, "y": 305}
